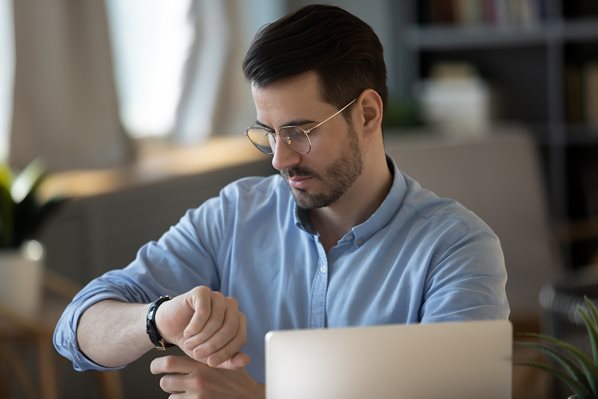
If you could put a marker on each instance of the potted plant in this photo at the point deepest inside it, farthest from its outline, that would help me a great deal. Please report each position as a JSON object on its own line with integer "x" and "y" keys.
{"x": 22, "y": 212}
{"x": 571, "y": 365}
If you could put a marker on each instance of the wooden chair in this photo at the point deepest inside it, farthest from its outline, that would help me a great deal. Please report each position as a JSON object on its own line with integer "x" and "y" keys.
{"x": 19, "y": 335}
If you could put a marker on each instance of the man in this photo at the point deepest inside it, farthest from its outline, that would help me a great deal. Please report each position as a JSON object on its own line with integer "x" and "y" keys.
{"x": 340, "y": 238}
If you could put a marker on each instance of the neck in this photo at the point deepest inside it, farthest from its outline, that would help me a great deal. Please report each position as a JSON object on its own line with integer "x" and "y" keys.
{"x": 355, "y": 206}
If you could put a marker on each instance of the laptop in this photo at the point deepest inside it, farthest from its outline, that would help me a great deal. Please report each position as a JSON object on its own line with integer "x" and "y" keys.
{"x": 451, "y": 360}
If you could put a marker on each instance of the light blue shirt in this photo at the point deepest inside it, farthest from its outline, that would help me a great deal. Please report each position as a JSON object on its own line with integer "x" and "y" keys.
{"x": 418, "y": 258}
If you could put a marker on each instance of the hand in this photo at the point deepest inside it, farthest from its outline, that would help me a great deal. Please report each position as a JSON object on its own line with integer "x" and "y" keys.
{"x": 187, "y": 378}
{"x": 207, "y": 326}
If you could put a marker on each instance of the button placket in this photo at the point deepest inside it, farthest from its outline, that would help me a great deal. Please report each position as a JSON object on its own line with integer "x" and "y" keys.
{"x": 317, "y": 316}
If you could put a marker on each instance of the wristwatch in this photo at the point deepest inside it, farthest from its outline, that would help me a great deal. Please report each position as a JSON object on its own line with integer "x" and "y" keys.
{"x": 150, "y": 324}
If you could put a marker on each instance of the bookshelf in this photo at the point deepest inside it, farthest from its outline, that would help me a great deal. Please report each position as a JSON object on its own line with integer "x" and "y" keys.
{"x": 540, "y": 58}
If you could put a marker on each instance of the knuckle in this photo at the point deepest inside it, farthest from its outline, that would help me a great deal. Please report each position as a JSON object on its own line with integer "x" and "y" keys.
{"x": 197, "y": 382}
{"x": 209, "y": 348}
{"x": 201, "y": 290}
{"x": 232, "y": 302}
{"x": 167, "y": 362}
{"x": 217, "y": 294}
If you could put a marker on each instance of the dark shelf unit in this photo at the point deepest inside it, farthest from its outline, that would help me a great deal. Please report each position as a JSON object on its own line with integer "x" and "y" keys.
{"x": 539, "y": 72}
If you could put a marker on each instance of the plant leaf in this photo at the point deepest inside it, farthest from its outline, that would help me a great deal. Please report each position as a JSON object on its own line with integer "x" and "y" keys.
{"x": 571, "y": 368}
{"x": 5, "y": 177}
{"x": 27, "y": 181}
{"x": 6, "y": 207}
{"x": 31, "y": 216}
{"x": 589, "y": 368}
{"x": 580, "y": 390}
{"x": 589, "y": 314}
{"x": 592, "y": 330}
{"x": 592, "y": 309}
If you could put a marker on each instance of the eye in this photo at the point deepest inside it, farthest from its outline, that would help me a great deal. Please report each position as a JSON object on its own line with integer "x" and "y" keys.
{"x": 292, "y": 133}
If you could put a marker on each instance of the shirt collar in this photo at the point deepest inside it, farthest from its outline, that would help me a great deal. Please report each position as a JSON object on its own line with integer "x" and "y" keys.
{"x": 380, "y": 218}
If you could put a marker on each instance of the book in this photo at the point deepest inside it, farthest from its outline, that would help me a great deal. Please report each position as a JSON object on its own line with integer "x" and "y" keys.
{"x": 590, "y": 87}
{"x": 574, "y": 113}
{"x": 498, "y": 13}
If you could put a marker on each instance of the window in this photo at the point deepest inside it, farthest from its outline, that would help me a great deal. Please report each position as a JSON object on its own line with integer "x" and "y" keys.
{"x": 6, "y": 74}
{"x": 150, "y": 39}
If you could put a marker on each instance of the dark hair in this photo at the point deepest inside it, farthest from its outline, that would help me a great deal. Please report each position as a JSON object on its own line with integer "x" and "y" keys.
{"x": 343, "y": 50}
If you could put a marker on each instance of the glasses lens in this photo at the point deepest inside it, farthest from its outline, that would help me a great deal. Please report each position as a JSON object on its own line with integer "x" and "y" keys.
{"x": 295, "y": 139}
{"x": 262, "y": 139}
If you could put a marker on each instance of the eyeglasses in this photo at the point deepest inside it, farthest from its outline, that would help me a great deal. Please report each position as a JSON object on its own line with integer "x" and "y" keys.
{"x": 295, "y": 137}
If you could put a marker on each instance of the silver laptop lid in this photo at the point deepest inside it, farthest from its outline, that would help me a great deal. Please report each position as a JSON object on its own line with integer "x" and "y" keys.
{"x": 459, "y": 360}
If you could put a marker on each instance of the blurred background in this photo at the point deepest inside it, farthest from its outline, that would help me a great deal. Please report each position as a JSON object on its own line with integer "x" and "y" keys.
{"x": 136, "y": 111}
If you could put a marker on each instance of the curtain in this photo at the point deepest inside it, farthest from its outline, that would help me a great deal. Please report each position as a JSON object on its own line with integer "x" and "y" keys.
{"x": 216, "y": 99}
{"x": 65, "y": 107}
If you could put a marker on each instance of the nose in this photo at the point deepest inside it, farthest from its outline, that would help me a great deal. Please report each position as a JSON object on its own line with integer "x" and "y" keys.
{"x": 283, "y": 157}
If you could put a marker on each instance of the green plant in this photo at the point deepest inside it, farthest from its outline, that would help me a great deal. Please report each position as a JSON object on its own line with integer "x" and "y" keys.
{"x": 21, "y": 211}
{"x": 402, "y": 113}
{"x": 571, "y": 365}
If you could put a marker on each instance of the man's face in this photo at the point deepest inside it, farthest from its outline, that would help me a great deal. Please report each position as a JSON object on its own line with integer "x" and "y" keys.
{"x": 321, "y": 177}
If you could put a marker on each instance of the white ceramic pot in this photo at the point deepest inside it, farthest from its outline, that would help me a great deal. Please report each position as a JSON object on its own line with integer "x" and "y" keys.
{"x": 21, "y": 279}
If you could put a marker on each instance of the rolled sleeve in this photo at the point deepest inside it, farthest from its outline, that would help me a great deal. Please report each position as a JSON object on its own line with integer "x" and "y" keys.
{"x": 169, "y": 266}
{"x": 65, "y": 334}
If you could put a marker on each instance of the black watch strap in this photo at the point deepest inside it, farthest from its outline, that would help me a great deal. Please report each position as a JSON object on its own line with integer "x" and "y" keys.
{"x": 150, "y": 324}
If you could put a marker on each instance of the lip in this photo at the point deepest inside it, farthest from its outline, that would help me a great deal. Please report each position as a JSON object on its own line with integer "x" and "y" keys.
{"x": 299, "y": 182}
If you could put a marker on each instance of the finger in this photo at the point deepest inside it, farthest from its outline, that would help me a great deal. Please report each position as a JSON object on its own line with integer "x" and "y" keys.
{"x": 172, "y": 383}
{"x": 238, "y": 361}
{"x": 220, "y": 339}
{"x": 232, "y": 349}
{"x": 199, "y": 299}
{"x": 213, "y": 324}
{"x": 172, "y": 365}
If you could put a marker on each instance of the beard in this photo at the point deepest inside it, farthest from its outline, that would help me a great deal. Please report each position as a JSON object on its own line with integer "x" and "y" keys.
{"x": 339, "y": 176}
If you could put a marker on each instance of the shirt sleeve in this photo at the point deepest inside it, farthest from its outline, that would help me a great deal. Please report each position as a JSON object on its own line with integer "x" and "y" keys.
{"x": 467, "y": 278}
{"x": 184, "y": 257}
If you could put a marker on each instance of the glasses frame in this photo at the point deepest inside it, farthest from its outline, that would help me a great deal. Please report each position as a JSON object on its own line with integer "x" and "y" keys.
{"x": 306, "y": 132}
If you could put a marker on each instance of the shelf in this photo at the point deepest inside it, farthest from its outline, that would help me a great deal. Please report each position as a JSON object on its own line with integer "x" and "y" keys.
{"x": 581, "y": 135}
{"x": 463, "y": 37}
{"x": 572, "y": 135}
{"x": 540, "y": 73}
{"x": 579, "y": 30}
{"x": 578, "y": 230}
{"x": 451, "y": 37}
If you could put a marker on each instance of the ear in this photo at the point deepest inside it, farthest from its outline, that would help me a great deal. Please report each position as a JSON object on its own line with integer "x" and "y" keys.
{"x": 370, "y": 104}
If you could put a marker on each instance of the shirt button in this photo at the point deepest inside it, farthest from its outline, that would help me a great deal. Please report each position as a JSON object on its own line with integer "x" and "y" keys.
{"x": 360, "y": 241}
{"x": 323, "y": 269}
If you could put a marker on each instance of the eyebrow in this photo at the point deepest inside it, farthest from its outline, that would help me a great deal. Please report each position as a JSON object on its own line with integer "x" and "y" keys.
{"x": 294, "y": 122}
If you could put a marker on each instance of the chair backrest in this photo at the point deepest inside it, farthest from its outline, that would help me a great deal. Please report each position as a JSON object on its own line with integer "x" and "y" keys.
{"x": 496, "y": 176}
